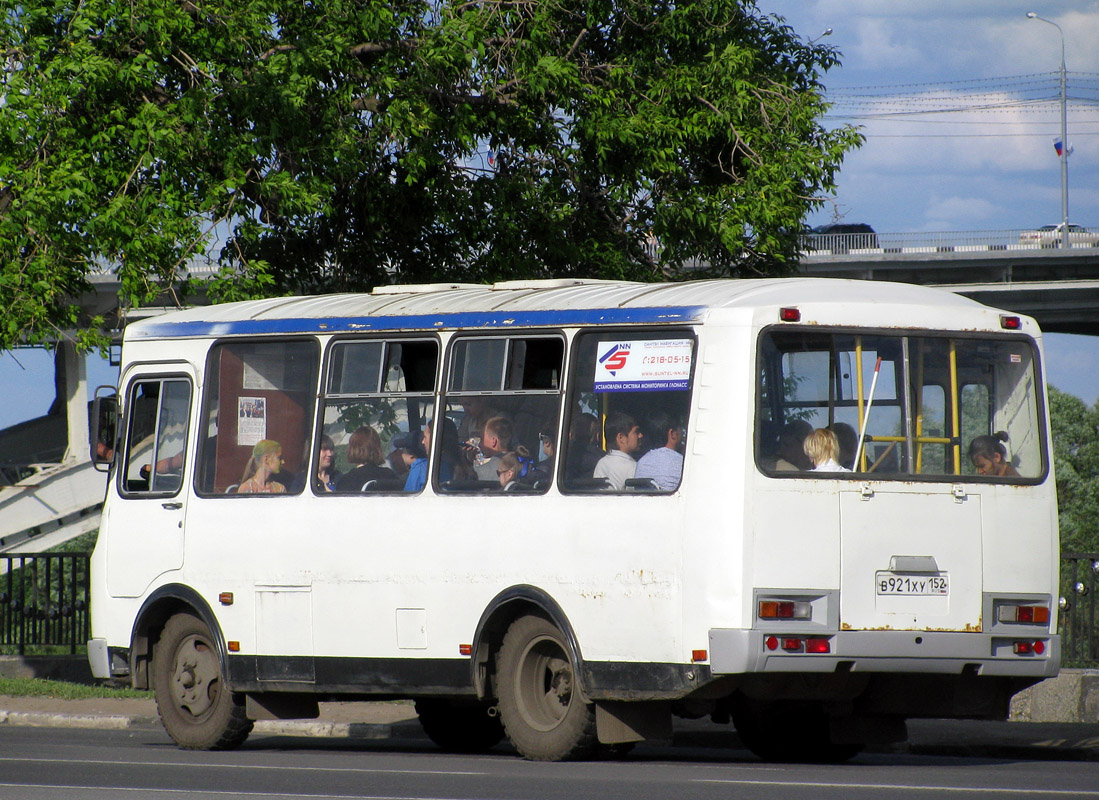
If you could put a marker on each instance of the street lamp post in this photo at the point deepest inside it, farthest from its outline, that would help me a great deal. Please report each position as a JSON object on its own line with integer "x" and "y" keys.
{"x": 1064, "y": 133}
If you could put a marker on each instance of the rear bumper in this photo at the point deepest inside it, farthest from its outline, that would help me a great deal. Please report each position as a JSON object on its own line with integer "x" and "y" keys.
{"x": 736, "y": 652}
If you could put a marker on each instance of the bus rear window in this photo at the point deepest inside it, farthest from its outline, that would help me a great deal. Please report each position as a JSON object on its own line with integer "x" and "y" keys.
{"x": 900, "y": 405}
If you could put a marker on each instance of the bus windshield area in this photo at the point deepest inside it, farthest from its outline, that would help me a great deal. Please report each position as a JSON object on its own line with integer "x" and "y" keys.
{"x": 900, "y": 405}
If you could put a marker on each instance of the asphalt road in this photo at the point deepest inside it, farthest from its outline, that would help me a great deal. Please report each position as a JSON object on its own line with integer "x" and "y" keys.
{"x": 75, "y": 764}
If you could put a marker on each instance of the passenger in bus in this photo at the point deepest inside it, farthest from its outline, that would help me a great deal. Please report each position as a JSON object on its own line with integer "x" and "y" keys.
{"x": 823, "y": 448}
{"x": 453, "y": 465}
{"x": 989, "y": 456}
{"x": 542, "y": 472}
{"x": 509, "y": 468}
{"x": 791, "y": 447}
{"x": 477, "y": 412}
{"x": 266, "y": 460}
{"x": 326, "y": 476}
{"x": 623, "y": 439}
{"x": 848, "y": 442}
{"x": 364, "y": 450}
{"x": 495, "y": 441}
{"x": 583, "y": 452}
{"x": 400, "y": 461}
{"x": 663, "y": 463}
{"x": 417, "y": 471}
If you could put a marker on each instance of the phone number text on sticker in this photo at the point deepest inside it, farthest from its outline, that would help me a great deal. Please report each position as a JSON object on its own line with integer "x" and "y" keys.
{"x": 889, "y": 583}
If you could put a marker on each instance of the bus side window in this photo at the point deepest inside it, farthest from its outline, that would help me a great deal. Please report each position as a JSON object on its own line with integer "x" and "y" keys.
{"x": 502, "y": 409}
{"x": 628, "y": 412}
{"x": 379, "y": 398}
{"x": 259, "y": 401}
{"x": 158, "y": 414}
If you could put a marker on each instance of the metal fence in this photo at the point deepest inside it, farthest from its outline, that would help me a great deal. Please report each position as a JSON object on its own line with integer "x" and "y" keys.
{"x": 44, "y": 602}
{"x": 1079, "y": 585}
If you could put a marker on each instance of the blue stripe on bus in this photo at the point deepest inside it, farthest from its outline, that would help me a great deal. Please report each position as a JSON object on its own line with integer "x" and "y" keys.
{"x": 154, "y": 329}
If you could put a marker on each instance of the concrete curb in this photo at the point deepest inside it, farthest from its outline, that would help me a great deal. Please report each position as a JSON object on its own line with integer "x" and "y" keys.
{"x": 116, "y": 722}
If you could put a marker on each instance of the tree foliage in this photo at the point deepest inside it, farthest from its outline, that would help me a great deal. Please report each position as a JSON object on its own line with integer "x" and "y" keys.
{"x": 1076, "y": 458}
{"x": 311, "y": 146}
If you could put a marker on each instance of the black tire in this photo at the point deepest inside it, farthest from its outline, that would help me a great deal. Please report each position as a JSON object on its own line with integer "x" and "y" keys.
{"x": 459, "y": 726}
{"x": 195, "y": 705}
{"x": 789, "y": 732}
{"x": 539, "y": 700}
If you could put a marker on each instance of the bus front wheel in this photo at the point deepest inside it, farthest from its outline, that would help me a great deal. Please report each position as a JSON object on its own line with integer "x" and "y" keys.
{"x": 540, "y": 705}
{"x": 196, "y": 707}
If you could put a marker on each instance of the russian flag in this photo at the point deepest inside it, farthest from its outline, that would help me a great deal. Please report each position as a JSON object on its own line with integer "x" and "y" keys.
{"x": 1059, "y": 146}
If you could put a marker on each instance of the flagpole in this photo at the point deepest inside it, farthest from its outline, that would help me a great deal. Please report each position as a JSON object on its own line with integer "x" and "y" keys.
{"x": 1063, "y": 155}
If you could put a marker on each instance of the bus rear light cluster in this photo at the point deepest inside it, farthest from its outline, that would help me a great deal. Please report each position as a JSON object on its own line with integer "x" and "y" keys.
{"x": 785, "y": 609}
{"x": 798, "y": 644}
{"x": 1032, "y": 615}
{"x": 1024, "y": 648}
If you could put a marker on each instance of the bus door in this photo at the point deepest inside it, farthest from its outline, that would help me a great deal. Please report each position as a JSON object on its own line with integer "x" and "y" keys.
{"x": 911, "y": 557}
{"x": 147, "y": 522}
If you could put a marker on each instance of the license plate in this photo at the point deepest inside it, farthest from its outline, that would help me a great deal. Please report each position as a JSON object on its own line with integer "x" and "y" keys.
{"x": 890, "y": 583}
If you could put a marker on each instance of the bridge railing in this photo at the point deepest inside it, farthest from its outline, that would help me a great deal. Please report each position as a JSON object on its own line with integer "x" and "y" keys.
{"x": 825, "y": 244}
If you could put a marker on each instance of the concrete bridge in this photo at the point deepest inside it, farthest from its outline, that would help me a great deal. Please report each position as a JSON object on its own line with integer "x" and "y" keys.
{"x": 1057, "y": 286}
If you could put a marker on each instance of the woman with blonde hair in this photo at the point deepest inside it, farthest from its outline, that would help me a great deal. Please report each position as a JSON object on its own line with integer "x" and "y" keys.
{"x": 266, "y": 461}
{"x": 823, "y": 448}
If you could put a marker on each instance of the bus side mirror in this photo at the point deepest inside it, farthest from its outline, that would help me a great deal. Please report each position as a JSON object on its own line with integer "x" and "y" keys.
{"x": 104, "y": 429}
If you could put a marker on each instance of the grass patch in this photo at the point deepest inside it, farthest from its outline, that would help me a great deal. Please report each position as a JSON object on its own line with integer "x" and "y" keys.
{"x": 63, "y": 690}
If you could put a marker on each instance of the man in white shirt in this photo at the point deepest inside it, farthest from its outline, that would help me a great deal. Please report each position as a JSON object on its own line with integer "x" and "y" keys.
{"x": 623, "y": 436}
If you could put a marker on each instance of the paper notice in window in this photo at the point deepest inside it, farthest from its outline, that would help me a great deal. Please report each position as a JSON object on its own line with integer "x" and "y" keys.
{"x": 251, "y": 420}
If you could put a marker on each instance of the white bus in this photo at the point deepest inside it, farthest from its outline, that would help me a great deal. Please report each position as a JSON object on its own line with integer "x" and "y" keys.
{"x": 613, "y": 522}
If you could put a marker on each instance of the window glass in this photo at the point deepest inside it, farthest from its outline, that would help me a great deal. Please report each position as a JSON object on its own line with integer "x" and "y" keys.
{"x": 158, "y": 412}
{"x": 628, "y": 409}
{"x": 378, "y": 408}
{"x": 501, "y": 414}
{"x": 257, "y": 417}
{"x": 961, "y": 389}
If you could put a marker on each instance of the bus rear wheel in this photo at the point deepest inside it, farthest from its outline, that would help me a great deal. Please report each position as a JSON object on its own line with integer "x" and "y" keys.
{"x": 540, "y": 705}
{"x": 196, "y": 707}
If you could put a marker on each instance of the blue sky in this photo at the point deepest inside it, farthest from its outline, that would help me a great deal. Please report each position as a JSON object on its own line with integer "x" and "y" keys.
{"x": 988, "y": 164}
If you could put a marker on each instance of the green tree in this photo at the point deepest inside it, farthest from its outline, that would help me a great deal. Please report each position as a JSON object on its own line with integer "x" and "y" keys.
{"x": 307, "y": 146}
{"x": 1076, "y": 459}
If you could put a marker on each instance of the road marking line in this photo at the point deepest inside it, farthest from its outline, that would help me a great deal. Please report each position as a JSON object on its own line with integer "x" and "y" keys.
{"x": 1030, "y": 792}
{"x": 275, "y": 767}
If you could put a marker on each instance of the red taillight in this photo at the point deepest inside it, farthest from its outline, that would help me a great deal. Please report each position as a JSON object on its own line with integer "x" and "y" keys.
{"x": 771, "y": 642}
{"x": 789, "y": 314}
{"x": 1023, "y": 648}
{"x": 791, "y": 645}
{"x": 1031, "y": 615}
{"x": 817, "y": 646}
{"x": 1010, "y": 323}
{"x": 784, "y": 609}
{"x": 1039, "y": 647}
